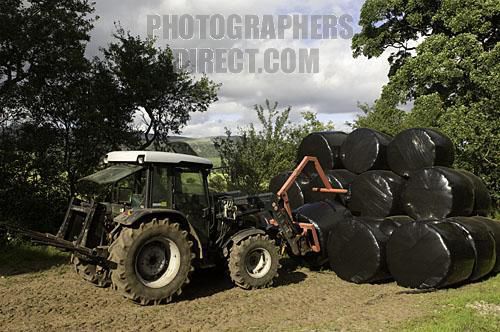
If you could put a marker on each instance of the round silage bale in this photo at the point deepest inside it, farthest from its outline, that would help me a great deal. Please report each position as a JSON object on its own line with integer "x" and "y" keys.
{"x": 483, "y": 243}
{"x": 324, "y": 215}
{"x": 365, "y": 149}
{"x": 482, "y": 199}
{"x": 338, "y": 178}
{"x": 376, "y": 194}
{"x": 435, "y": 193}
{"x": 297, "y": 190}
{"x": 389, "y": 224}
{"x": 494, "y": 228}
{"x": 429, "y": 255}
{"x": 417, "y": 148}
{"x": 356, "y": 251}
{"x": 323, "y": 145}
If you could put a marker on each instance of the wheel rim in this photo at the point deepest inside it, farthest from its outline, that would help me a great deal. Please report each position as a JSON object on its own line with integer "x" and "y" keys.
{"x": 157, "y": 262}
{"x": 258, "y": 263}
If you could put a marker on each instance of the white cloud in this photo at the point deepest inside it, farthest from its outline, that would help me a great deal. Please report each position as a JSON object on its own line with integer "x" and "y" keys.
{"x": 342, "y": 81}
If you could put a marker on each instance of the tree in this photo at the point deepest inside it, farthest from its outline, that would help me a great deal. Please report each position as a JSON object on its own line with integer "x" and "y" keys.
{"x": 61, "y": 112}
{"x": 251, "y": 159}
{"x": 150, "y": 81}
{"x": 38, "y": 38}
{"x": 444, "y": 59}
{"x": 42, "y": 46}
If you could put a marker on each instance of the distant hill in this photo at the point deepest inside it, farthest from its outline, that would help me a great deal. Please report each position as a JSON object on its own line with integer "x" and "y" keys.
{"x": 200, "y": 146}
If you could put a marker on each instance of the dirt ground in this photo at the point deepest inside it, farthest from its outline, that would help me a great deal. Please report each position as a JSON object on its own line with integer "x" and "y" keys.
{"x": 57, "y": 299}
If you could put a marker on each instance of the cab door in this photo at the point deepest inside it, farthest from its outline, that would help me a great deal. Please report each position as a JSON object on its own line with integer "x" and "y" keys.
{"x": 191, "y": 198}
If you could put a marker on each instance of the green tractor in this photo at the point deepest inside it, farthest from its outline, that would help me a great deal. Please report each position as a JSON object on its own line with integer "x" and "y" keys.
{"x": 157, "y": 222}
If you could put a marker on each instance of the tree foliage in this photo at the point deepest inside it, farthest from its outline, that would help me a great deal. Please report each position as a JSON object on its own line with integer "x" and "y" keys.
{"x": 252, "y": 158}
{"x": 444, "y": 60}
{"x": 149, "y": 81}
{"x": 61, "y": 111}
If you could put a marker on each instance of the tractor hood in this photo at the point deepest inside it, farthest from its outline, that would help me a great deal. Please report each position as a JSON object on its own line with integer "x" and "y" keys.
{"x": 112, "y": 174}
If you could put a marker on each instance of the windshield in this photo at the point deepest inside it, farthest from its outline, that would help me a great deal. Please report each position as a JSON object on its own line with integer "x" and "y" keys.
{"x": 131, "y": 190}
{"x": 112, "y": 174}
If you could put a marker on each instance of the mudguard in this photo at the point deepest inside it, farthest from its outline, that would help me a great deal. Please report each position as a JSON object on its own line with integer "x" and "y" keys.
{"x": 132, "y": 217}
{"x": 238, "y": 237}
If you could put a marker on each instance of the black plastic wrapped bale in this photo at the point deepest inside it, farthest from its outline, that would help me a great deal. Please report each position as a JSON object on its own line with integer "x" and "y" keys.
{"x": 356, "y": 251}
{"x": 435, "y": 193}
{"x": 483, "y": 243}
{"x": 429, "y": 255}
{"x": 323, "y": 145}
{"x": 494, "y": 228}
{"x": 417, "y": 148}
{"x": 339, "y": 179}
{"x": 365, "y": 149}
{"x": 389, "y": 224}
{"x": 376, "y": 194}
{"x": 324, "y": 215}
{"x": 482, "y": 199}
{"x": 296, "y": 191}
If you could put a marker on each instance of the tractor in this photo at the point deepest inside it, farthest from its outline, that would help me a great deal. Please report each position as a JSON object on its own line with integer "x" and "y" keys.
{"x": 153, "y": 221}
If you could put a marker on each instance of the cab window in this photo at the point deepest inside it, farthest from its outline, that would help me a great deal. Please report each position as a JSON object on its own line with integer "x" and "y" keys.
{"x": 131, "y": 190}
{"x": 161, "y": 194}
{"x": 190, "y": 190}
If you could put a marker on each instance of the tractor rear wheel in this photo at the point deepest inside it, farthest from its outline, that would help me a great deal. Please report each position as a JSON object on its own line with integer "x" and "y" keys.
{"x": 95, "y": 274}
{"x": 254, "y": 262}
{"x": 153, "y": 262}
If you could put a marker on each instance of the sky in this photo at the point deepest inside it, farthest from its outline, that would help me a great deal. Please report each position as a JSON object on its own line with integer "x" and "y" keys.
{"x": 333, "y": 93}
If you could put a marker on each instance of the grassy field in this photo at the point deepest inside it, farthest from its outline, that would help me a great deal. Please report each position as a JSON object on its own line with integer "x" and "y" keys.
{"x": 472, "y": 308}
{"x": 21, "y": 257}
{"x": 40, "y": 290}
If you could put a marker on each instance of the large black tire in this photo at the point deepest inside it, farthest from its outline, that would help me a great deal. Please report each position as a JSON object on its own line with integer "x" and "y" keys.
{"x": 95, "y": 274}
{"x": 254, "y": 262}
{"x": 153, "y": 262}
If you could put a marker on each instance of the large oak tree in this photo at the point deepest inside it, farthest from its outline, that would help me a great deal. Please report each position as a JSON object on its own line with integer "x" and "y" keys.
{"x": 444, "y": 63}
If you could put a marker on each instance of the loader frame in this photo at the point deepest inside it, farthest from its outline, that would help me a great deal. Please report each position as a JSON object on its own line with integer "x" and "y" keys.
{"x": 302, "y": 237}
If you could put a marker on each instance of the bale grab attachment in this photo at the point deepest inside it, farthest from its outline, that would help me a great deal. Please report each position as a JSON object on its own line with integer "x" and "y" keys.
{"x": 302, "y": 237}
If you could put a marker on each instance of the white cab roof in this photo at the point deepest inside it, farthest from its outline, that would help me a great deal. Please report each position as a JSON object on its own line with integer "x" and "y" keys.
{"x": 155, "y": 157}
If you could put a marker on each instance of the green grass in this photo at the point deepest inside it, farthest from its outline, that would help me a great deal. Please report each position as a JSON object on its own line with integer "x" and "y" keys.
{"x": 473, "y": 307}
{"x": 23, "y": 257}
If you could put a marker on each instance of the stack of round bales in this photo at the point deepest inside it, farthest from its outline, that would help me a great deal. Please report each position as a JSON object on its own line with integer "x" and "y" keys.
{"x": 416, "y": 148}
{"x": 408, "y": 208}
{"x": 436, "y": 192}
{"x": 376, "y": 194}
{"x": 343, "y": 157}
{"x": 323, "y": 145}
{"x": 365, "y": 149}
{"x": 442, "y": 253}
{"x": 482, "y": 199}
{"x": 357, "y": 248}
{"x": 325, "y": 216}
{"x": 429, "y": 255}
{"x": 494, "y": 229}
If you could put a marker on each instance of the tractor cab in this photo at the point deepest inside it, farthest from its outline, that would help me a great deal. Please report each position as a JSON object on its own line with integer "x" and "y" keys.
{"x": 153, "y": 179}
{"x": 139, "y": 180}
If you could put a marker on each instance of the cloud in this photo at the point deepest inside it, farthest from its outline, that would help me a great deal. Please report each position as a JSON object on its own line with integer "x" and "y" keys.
{"x": 333, "y": 93}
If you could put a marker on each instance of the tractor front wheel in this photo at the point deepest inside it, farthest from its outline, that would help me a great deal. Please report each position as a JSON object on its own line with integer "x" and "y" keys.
{"x": 254, "y": 262}
{"x": 153, "y": 262}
